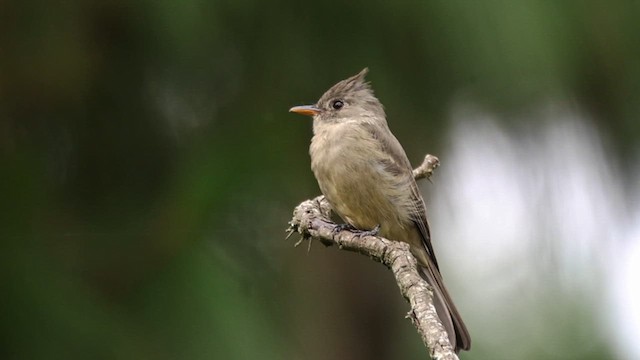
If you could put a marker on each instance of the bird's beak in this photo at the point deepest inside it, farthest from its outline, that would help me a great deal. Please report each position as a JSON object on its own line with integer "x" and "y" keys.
{"x": 309, "y": 110}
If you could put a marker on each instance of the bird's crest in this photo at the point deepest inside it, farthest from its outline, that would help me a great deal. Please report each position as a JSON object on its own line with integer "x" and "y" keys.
{"x": 354, "y": 85}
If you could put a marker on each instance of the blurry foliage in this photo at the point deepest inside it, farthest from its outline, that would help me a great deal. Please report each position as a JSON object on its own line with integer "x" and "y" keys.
{"x": 149, "y": 164}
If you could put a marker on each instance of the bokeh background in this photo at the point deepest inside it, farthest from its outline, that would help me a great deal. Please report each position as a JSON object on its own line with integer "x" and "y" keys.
{"x": 149, "y": 167}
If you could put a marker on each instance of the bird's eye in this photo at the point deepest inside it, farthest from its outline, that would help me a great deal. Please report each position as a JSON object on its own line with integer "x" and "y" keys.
{"x": 337, "y": 104}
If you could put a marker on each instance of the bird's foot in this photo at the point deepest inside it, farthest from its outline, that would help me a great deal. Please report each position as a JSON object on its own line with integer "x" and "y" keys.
{"x": 373, "y": 232}
{"x": 341, "y": 227}
{"x": 359, "y": 233}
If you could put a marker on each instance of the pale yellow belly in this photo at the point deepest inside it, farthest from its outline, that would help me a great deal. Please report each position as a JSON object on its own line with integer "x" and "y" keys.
{"x": 364, "y": 196}
{"x": 349, "y": 167}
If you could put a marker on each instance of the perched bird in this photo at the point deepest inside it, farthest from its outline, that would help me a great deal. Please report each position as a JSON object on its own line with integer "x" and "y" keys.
{"x": 364, "y": 173}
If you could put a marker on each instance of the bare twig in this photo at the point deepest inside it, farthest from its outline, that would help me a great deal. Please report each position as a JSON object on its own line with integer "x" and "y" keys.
{"x": 311, "y": 221}
{"x": 425, "y": 170}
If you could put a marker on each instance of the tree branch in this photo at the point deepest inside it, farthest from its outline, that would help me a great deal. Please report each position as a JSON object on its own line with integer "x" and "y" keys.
{"x": 311, "y": 219}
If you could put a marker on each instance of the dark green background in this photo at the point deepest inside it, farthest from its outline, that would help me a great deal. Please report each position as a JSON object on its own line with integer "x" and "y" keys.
{"x": 149, "y": 165}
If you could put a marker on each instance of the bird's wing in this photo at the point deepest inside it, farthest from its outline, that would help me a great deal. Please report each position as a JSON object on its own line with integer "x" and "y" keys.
{"x": 399, "y": 163}
{"x": 420, "y": 219}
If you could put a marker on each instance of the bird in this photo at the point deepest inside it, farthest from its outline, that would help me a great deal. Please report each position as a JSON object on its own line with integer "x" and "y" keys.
{"x": 365, "y": 175}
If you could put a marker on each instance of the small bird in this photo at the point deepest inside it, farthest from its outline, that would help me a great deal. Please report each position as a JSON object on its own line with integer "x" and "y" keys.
{"x": 364, "y": 173}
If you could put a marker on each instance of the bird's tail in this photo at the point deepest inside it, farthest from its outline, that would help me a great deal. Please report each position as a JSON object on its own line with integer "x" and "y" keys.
{"x": 449, "y": 316}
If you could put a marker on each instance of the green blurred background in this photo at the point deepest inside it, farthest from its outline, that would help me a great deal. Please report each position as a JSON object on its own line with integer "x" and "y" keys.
{"x": 149, "y": 167}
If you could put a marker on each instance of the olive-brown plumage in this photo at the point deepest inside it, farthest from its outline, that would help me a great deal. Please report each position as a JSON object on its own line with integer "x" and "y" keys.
{"x": 366, "y": 176}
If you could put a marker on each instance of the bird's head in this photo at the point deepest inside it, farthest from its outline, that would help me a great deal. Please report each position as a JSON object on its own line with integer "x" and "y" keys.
{"x": 351, "y": 99}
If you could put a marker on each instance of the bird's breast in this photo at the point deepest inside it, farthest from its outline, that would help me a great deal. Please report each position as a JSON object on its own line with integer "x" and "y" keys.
{"x": 349, "y": 166}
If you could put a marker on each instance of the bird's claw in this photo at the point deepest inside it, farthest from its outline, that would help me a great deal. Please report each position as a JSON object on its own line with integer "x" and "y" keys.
{"x": 373, "y": 232}
{"x": 338, "y": 228}
{"x": 359, "y": 233}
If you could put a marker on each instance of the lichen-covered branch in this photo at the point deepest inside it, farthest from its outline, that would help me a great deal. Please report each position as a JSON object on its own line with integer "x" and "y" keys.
{"x": 311, "y": 219}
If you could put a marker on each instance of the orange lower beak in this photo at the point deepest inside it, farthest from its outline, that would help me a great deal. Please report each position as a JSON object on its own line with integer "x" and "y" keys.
{"x": 308, "y": 110}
